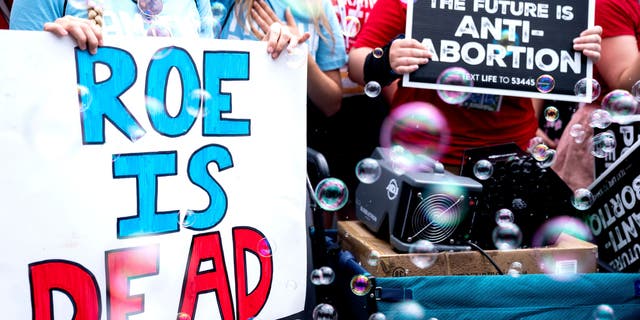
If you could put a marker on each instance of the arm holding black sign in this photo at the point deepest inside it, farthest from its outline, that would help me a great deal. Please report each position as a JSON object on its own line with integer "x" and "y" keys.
{"x": 620, "y": 63}
{"x": 619, "y": 68}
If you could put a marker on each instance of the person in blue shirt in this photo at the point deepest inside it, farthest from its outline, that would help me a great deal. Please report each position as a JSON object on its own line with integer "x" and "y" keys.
{"x": 88, "y": 21}
{"x": 313, "y": 22}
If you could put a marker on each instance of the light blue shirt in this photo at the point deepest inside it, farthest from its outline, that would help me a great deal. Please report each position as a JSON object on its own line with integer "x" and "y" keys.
{"x": 328, "y": 50}
{"x": 183, "y": 18}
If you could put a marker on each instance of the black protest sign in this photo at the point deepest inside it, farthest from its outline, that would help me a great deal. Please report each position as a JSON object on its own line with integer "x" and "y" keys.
{"x": 626, "y": 130}
{"x": 614, "y": 216}
{"x": 515, "y": 48}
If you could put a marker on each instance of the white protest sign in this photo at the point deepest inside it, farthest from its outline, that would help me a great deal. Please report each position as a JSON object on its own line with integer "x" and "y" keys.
{"x": 159, "y": 178}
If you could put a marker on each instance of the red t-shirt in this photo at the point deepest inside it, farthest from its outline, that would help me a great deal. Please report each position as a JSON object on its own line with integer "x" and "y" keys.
{"x": 617, "y": 18}
{"x": 469, "y": 128}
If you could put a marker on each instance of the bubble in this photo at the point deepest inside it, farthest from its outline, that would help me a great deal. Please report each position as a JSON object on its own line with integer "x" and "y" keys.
{"x": 635, "y": 90}
{"x": 84, "y": 98}
{"x": 582, "y": 199}
{"x": 162, "y": 53}
{"x": 504, "y": 215}
{"x": 545, "y": 83}
{"x": 580, "y": 89}
{"x": 515, "y": 269}
{"x": 372, "y": 89}
{"x": 603, "y": 143}
{"x": 419, "y": 129}
{"x": 604, "y": 312}
{"x": 265, "y": 248}
{"x": 377, "y": 316}
{"x": 316, "y": 277}
{"x": 507, "y": 236}
{"x": 154, "y": 106}
{"x": 197, "y": 98}
{"x": 158, "y": 29}
{"x": 324, "y": 311}
{"x": 294, "y": 57}
{"x": 455, "y": 76}
{"x": 518, "y": 203}
{"x": 578, "y": 133}
{"x": 600, "y": 119}
{"x": 535, "y": 141}
{"x": 402, "y": 160}
{"x": 188, "y": 218}
{"x": 327, "y": 275}
{"x": 423, "y": 254}
{"x": 374, "y": 258}
{"x": 620, "y": 102}
{"x": 483, "y": 169}
{"x": 548, "y": 233}
{"x": 548, "y": 159}
{"x": 360, "y": 285}
{"x": 218, "y": 10}
{"x": 378, "y": 53}
{"x": 539, "y": 152}
{"x": 551, "y": 114}
{"x": 183, "y": 316}
{"x": 332, "y": 194}
{"x": 368, "y": 170}
{"x": 407, "y": 310}
{"x": 150, "y": 7}
{"x": 135, "y": 133}
{"x": 508, "y": 39}
{"x": 352, "y": 27}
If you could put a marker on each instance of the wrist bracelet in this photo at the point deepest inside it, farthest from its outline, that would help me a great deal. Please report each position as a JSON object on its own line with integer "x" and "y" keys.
{"x": 377, "y": 66}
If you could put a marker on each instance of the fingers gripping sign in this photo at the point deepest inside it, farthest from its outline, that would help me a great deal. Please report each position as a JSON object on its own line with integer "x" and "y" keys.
{"x": 278, "y": 34}
{"x": 407, "y": 55}
{"x": 87, "y": 34}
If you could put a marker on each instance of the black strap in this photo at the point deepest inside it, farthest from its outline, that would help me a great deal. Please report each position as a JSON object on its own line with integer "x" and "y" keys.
{"x": 378, "y": 68}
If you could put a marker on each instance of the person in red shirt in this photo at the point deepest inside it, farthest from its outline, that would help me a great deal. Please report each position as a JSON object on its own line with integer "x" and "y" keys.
{"x": 618, "y": 68}
{"x": 469, "y": 128}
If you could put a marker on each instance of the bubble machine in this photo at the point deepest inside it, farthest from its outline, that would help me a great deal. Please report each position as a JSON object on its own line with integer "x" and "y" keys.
{"x": 420, "y": 204}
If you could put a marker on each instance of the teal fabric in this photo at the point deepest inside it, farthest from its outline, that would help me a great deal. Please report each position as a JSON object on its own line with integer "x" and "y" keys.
{"x": 530, "y": 297}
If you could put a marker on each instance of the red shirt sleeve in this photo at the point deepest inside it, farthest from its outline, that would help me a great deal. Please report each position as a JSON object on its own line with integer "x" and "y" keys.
{"x": 618, "y": 17}
{"x": 386, "y": 21}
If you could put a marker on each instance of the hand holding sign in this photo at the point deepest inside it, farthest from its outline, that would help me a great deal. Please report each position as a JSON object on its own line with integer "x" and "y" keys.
{"x": 407, "y": 55}
{"x": 589, "y": 43}
{"x": 86, "y": 34}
